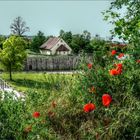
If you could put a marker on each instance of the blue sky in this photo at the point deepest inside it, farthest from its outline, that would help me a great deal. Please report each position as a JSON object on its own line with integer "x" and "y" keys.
{"x": 51, "y": 16}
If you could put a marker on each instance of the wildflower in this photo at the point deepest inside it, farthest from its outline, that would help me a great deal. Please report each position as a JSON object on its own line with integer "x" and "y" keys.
{"x": 89, "y": 65}
{"x": 113, "y": 52}
{"x": 113, "y": 72}
{"x": 92, "y": 89}
{"x": 106, "y": 99}
{"x": 119, "y": 71}
{"x": 119, "y": 66}
{"x": 120, "y": 55}
{"x": 36, "y": 114}
{"x": 89, "y": 107}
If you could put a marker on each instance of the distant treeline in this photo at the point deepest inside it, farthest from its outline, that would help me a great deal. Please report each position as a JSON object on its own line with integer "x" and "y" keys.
{"x": 78, "y": 42}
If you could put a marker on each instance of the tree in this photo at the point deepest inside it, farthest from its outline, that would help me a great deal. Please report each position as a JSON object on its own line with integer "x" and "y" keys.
{"x": 80, "y": 42}
{"x": 87, "y": 37}
{"x": 13, "y": 54}
{"x": 18, "y": 27}
{"x": 66, "y": 36}
{"x": 127, "y": 23}
{"x": 97, "y": 44}
{"x": 2, "y": 39}
{"x": 37, "y": 41}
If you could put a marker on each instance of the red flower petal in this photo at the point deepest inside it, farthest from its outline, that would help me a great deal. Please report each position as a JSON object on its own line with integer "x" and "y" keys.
{"x": 113, "y": 72}
{"x": 89, "y": 65}
{"x": 89, "y": 107}
{"x": 119, "y": 65}
{"x": 120, "y": 55}
{"x": 106, "y": 100}
{"x": 113, "y": 52}
{"x": 36, "y": 114}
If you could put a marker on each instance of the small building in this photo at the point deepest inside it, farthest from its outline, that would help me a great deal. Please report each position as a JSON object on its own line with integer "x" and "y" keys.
{"x": 55, "y": 45}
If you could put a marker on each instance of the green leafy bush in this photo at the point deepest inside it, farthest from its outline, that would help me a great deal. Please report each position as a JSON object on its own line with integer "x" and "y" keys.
{"x": 121, "y": 118}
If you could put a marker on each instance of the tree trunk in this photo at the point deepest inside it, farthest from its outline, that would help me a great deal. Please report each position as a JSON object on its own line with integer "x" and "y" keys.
{"x": 10, "y": 72}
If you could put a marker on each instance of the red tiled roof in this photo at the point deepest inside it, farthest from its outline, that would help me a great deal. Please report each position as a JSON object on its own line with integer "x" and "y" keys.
{"x": 50, "y": 43}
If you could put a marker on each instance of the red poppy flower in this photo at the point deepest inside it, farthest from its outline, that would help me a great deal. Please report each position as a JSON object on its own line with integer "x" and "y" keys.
{"x": 36, "y": 114}
{"x": 113, "y": 72}
{"x": 120, "y": 55}
{"x": 89, "y": 107}
{"x": 106, "y": 100}
{"x": 119, "y": 71}
{"x": 89, "y": 65}
{"x": 113, "y": 52}
{"x": 119, "y": 66}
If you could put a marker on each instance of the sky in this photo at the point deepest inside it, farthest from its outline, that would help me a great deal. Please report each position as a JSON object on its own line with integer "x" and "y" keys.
{"x": 52, "y": 16}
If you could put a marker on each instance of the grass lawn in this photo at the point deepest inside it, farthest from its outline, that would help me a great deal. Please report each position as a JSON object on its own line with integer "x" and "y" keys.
{"x": 23, "y": 81}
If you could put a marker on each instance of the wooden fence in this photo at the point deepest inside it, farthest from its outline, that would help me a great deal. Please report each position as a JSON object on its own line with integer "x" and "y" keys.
{"x": 3, "y": 84}
{"x": 52, "y": 63}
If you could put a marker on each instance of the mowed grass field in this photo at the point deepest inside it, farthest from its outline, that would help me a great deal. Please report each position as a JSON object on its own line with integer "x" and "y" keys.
{"x": 40, "y": 81}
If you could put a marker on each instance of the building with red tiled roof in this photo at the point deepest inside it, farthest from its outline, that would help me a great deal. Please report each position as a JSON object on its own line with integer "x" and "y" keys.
{"x": 55, "y": 45}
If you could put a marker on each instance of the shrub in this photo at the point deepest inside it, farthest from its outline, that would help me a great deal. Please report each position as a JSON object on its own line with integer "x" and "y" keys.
{"x": 119, "y": 80}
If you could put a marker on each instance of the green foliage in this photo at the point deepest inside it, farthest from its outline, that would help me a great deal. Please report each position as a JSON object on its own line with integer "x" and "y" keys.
{"x": 125, "y": 16}
{"x": 37, "y": 41}
{"x": 121, "y": 118}
{"x": 97, "y": 44}
{"x": 12, "y": 117}
{"x": 40, "y": 98}
{"x": 13, "y": 54}
{"x": 67, "y": 36}
{"x": 78, "y": 42}
{"x": 2, "y": 39}
{"x": 60, "y": 98}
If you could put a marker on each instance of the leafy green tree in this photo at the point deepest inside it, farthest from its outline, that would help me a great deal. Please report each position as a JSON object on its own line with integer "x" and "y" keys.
{"x": 66, "y": 36}
{"x": 2, "y": 39}
{"x": 81, "y": 42}
{"x": 125, "y": 16}
{"x": 87, "y": 37}
{"x": 18, "y": 27}
{"x": 13, "y": 54}
{"x": 77, "y": 43}
{"x": 97, "y": 44}
{"x": 37, "y": 41}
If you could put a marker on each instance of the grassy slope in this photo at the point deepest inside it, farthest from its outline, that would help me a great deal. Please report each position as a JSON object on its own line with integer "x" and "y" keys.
{"x": 24, "y": 81}
{"x": 67, "y": 120}
{"x": 43, "y": 89}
